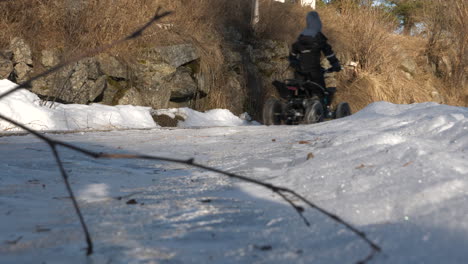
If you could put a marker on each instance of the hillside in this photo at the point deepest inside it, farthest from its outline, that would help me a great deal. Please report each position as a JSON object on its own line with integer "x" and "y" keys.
{"x": 207, "y": 55}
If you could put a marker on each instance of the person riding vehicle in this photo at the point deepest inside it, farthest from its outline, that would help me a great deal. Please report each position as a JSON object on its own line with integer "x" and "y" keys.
{"x": 305, "y": 55}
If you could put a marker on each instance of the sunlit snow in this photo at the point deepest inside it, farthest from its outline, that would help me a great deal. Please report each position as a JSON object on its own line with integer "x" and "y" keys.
{"x": 399, "y": 173}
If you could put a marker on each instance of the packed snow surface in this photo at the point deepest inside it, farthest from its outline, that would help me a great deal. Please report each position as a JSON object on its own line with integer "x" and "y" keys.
{"x": 399, "y": 173}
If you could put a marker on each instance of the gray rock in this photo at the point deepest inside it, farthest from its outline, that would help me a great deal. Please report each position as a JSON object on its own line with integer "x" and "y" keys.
{"x": 50, "y": 58}
{"x": 76, "y": 83}
{"x": 156, "y": 96}
{"x": 235, "y": 92}
{"x": 182, "y": 85}
{"x": 202, "y": 85}
{"x": 232, "y": 57}
{"x": 151, "y": 79}
{"x": 131, "y": 97}
{"x": 42, "y": 86}
{"x": 97, "y": 88}
{"x": 92, "y": 68}
{"x": 6, "y": 55}
{"x": 111, "y": 66}
{"x": 157, "y": 70}
{"x": 111, "y": 91}
{"x": 177, "y": 55}
{"x": 21, "y": 51}
{"x": 409, "y": 65}
{"x": 22, "y": 71}
{"x": 6, "y": 68}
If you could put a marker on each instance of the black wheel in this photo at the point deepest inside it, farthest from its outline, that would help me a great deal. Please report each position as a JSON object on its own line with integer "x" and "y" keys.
{"x": 273, "y": 112}
{"x": 342, "y": 110}
{"x": 314, "y": 113}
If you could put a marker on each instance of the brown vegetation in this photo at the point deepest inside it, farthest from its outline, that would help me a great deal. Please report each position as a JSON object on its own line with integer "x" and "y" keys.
{"x": 72, "y": 26}
{"x": 366, "y": 35}
{"x": 360, "y": 34}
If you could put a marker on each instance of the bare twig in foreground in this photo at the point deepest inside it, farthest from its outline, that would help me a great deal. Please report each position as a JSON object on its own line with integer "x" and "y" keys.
{"x": 281, "y": 191}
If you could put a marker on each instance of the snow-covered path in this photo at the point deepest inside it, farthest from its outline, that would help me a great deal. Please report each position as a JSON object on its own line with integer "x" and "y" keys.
{"x": 397, "y": 172}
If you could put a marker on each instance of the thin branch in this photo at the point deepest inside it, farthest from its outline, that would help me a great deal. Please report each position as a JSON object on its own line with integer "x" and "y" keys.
{"x": 281, "y": 191}
{"x": 276, "y": 189}
{"x": 89, "y": 242}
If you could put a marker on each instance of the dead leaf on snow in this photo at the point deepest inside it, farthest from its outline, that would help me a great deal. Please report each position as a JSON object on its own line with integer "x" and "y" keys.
{"x": 407, "y": 163}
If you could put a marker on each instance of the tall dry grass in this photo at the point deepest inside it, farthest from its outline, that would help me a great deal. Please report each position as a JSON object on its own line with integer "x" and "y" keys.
{"x": 281, "y": 21}
{"x": 72, "y": 27}
{"x": 447, "y": 36}
{"x": 361, "y": 34}
{"x": 96, "y": 22}
{"x": 366, "y": 35}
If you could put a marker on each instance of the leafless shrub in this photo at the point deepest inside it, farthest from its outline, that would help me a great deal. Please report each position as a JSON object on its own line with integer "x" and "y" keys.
{"x": 447, "y": 36}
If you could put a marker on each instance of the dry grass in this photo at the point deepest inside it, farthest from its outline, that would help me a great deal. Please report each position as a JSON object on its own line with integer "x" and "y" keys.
{"x": 58, "y": 24}
{"x": 447, "y": 34}
{"x": 280, "y": 21}
{"x": 364, "y": 35}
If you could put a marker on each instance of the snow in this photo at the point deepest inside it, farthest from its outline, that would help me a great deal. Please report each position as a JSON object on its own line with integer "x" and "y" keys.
{"x": 27, "y": 108}
{"x": 399, "y": 173}
{"x": 210, "y": 118}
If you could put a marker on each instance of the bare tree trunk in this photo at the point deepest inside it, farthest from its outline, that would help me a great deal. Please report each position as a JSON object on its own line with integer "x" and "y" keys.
{"x": 255, "y": 13}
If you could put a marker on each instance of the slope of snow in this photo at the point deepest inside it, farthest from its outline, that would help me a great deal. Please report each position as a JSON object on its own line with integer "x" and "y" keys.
{"x": 399, "y": 173}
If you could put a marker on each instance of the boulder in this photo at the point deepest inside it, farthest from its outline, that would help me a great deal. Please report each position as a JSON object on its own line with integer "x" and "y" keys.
{"x": 21, "y": 51}
{"x": 409, "y": 65}
{"x": 42, "y": 86}
{"x": 97, "y": 88}
{"x": 6, "y": 68}
{"x": 177, "y": 55}
{"x": 182, "y": 85}
{"x": 151, "y": 79}
{"x": 76, "y": 83}
{"x": 236, "y": 92}
{"x": 131, "y": 97}
{"x": 22, "y": 71}
{"x": 111, "y": 66}
{"x": 155, "y": 94}
{"x": 50, "y": 58}
{"x": 6, "y": 55}
{"x": 112, "y": 91}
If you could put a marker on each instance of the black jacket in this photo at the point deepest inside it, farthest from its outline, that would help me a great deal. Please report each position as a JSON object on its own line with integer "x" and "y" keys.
{"x": 306, "y": 53}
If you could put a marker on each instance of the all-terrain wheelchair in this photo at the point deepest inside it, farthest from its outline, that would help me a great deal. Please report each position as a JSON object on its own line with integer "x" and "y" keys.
{"x": 302, "y": 102}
